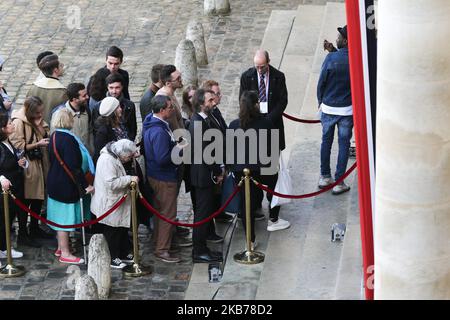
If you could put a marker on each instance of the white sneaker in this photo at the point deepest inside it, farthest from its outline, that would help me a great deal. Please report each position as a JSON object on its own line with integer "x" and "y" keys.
{"x": 340, "y": 188}
{"x": 280, "y": 224}
{"x": 117, "y": 264}
{"x": 325, "y": 182}
{"x": 14, "y": 254}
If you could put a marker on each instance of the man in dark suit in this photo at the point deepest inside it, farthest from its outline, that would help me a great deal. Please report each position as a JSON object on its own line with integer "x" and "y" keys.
{"x": 270, "y": 84}
{"x": 204, "y": 177}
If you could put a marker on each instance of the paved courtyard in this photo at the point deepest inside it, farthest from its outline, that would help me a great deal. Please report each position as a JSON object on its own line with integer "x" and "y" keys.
{"x": 148, "y": 32}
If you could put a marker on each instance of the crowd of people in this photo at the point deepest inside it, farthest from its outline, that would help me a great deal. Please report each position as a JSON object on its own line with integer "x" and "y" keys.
{"x": 70, "y": 153}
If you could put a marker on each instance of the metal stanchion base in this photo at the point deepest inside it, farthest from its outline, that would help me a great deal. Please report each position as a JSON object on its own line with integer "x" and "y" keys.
{"x": 135, "y": 270}
{"x": 11, "y": 271}
{"x": 247, "y": 257}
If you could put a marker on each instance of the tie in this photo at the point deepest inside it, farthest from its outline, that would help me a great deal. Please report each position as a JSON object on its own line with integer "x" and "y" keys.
{"x": 262, "y": 90}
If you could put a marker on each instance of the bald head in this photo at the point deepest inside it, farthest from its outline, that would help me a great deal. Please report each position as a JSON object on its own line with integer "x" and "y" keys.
{"x": 261, "y": 61}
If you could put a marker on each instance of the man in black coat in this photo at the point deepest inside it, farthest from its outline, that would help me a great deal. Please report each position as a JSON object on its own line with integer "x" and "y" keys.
{"x": 273, "y": 91}
{"x": 114, "y": 58}
{"x": 204, "y": 177}
{"x": 270, "y": 84}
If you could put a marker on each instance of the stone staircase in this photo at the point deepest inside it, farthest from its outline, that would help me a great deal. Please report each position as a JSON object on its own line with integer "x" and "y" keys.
{"x": 300, "y": 262}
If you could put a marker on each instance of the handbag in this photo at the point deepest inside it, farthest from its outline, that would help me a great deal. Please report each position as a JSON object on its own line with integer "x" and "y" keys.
{"x": 284, "y": 183}
{"x": 228, "y": 187}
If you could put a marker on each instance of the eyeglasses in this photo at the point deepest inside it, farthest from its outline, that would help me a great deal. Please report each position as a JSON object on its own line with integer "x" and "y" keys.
{"x": 218, "y": 94}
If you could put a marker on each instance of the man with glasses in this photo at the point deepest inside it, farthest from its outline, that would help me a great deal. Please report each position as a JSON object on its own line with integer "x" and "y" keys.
{"x": 218, "y": 122}
{"x": 171, "y": 80}
{"x": 270, "y": 84}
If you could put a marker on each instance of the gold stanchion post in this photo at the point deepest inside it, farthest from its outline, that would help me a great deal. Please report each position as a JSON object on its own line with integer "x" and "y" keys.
{"x": 10, "y": 270}
{"x": 248, "y": 256}
{"x": 135, "y": 270}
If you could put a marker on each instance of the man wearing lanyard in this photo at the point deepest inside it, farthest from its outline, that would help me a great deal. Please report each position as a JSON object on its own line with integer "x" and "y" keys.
{"x": 270, "y": 84}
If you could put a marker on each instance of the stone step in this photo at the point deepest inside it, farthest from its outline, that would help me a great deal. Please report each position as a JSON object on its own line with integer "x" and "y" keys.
{"x": 298, "y": 58}
{"x": 277, "y": 34}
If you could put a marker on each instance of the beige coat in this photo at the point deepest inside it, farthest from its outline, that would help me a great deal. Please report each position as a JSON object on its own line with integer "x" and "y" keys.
{"x": 81, "y": 127}
{"x": 51, "y": 92}
{"x": 36, "y": 173}
{"x": 111, "y": 183}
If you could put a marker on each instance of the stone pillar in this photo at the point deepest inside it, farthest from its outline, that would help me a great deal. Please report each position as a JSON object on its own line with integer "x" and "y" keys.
{"x": 222, "y": 7}
{"x": 209, "y": 7}
{"x": 86, "y": 289}
{"x": 412, "y": 219}
{"x": 99, "y": 267}
{"x": 186, "y": 62}
{"x": 195, "y": 33}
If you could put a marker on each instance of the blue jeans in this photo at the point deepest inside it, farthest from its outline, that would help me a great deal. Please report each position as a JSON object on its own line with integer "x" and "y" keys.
{"x": 345, "y": 126}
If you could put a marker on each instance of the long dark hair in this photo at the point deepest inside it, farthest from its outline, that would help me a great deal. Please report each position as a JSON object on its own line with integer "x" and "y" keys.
{"x": 4, "y": 118}
{"x": 187, "y": 105}
{"x": 98, "y": 86}
{"x": 248, "y": 108}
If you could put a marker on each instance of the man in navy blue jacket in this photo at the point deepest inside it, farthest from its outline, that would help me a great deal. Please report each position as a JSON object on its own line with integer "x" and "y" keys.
{"x": 162, "y": 174}
{"x": 335, "y": 102}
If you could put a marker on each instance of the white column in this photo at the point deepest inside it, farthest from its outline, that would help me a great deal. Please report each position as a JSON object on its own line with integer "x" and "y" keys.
{"x": 412, "y": 219}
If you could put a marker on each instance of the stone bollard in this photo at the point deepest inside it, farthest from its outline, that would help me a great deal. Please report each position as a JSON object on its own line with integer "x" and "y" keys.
{"x": 99, "y": 267}
{"x": 209, "y": 7}
{"x": 222, "y": 7}
{"x": 186, "y": 62}
{"x": 86, "y": 289}
{"x": 195, "y": 33}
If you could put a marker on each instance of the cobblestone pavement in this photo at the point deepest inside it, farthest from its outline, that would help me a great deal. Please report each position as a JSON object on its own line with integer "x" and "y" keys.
{"x": 148, "y": 32}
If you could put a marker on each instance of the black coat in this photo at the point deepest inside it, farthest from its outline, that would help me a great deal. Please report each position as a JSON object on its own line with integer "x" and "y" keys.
{"x": 103, "y": 133}
{"x": 277, "y": 99}
{"x": 10, "y": 169}
{"x": 240, "y": 148}
{"x": 60, "y": 186}
{"x": 129, "y": 117}
{"x": 104, "y": 72}
{"x": 201, "y": 173}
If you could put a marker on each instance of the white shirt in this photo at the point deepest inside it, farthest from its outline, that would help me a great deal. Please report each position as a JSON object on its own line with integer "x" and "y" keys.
{"x": 344, "y": 111}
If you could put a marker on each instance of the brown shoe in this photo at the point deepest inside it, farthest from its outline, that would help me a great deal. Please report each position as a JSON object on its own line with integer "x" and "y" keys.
{"x": 166, "y": 257}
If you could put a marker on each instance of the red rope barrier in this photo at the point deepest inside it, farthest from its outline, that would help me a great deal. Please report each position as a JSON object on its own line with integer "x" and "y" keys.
{"x": 299, "y": 120}
{"x": 51, "y": 223}
{"x": 308, "y": 195}
{"x": 213, "y": 215}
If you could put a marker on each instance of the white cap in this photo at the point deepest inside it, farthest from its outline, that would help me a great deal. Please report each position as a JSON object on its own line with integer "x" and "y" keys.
{"x": 108, "y": 106}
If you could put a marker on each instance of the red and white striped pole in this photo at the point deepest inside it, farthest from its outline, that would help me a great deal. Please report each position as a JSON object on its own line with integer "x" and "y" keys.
{"x": 356, "y": 24}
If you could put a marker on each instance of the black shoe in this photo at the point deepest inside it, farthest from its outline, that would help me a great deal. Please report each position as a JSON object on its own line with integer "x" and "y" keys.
{"x": 216, "y": 254}
{"x": 224, "y": 217}
{"x": 214, "y": 238}
{"x": 24, "y": 240}
{"x": 204, "y": 258}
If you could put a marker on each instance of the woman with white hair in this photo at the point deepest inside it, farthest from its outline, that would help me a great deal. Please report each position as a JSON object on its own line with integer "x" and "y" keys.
{"x": 111, "y": 183}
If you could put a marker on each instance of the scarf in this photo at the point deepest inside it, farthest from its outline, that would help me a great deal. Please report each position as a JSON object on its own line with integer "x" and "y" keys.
{"x": 82, "y": 149}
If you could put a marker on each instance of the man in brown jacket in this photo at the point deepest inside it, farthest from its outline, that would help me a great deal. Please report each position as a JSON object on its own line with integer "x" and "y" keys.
{"x": 49, "y": 88}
